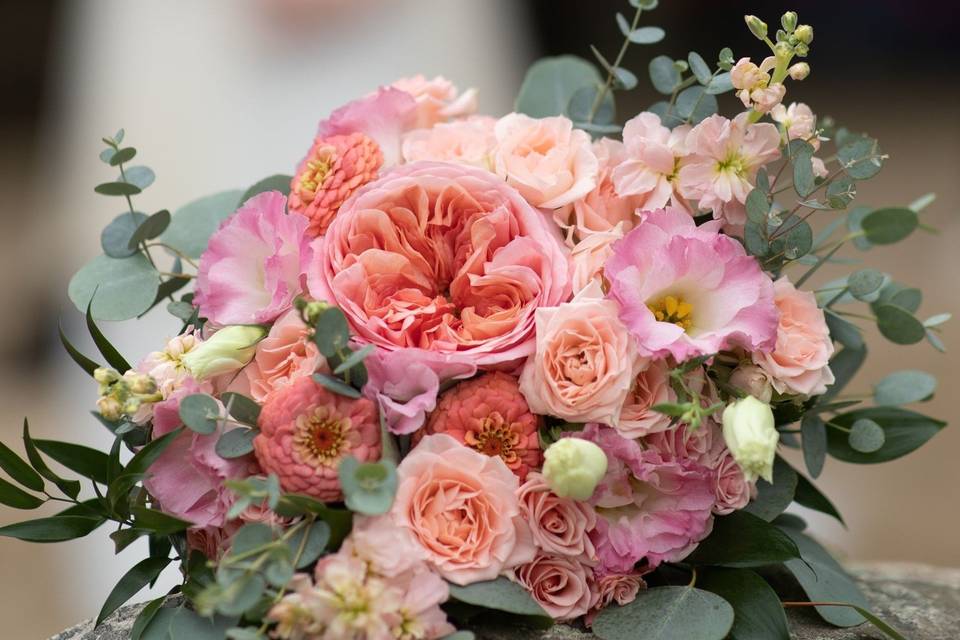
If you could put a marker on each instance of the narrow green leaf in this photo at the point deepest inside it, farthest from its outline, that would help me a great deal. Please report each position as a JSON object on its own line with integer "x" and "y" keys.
{"x": 773, "y": 499}
{"x": 810, "y": 497}
{"x": 355, "y": 358}
{"x": 157, "y": 521}
{"x": 88, "y": 462}
{"x": 13, "y": 496}
{"x": 107, "y": 350}
{"x": 844, "y": 366}
{"x": 69, "y": 487}
{"x": 82, "y": 361}
{"x": 18, "y": 469}
{"x": 814, "y": 434}
{"x": 55, "y": 529}
{"x": 336, "y": 385}
{"x": 138, "y": 577}
{"x": 145, "y": 616}
{"x": 742, "y": 539}
{"x": 242, "y": 408}
{"x": 117, "y": 189}
{"x": 142, "y": 460}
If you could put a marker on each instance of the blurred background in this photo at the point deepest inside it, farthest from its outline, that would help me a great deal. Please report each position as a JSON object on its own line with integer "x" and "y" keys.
{"x": 220, "y": 93}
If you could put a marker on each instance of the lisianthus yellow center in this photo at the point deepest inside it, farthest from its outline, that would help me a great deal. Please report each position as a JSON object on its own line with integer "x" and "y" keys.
{"x": 494, "y": 436}
{"x": 734, "y": 163}
{"x": 321, "y": 437}
{"x": 317, "y": 169}
{"x": 673, "y": 309}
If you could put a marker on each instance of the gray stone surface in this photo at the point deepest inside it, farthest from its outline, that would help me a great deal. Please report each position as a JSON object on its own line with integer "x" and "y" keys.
{"x": 923, "y": 602}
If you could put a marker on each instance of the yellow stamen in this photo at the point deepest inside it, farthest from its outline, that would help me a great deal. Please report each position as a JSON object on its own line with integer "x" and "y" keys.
{"x": 674, "y": 310}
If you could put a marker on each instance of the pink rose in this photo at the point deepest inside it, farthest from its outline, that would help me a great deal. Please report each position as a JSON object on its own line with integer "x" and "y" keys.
{"x": 620, "y": 588}
{"x": 800, "y": 361}
{"x": 585, "y": 361}
{"x": 603, "y": 208}
{"x": 548, "y": 161}
{"x": 590, "y": 255}
{"x": 467, "y": 141}
{"x": 445, "y": 258}
{"x": 559, "y": 584}
{"x": 461, "y": 507}
{"x": 285, "y": 355}
{"x": 559, "y": 525}
{"x": 647, "y": 169}
{"x": 251, "y": 270}
{"x": 437, "y": 99}
{"x": 651, "y": 387}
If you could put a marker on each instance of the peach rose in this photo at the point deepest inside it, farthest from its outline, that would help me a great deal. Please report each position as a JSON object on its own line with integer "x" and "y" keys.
{"x": 601, "y": 210}
{"x": 651, "y": 387}
{"x": 621, "y": 588}
{"x": 590, "y": 254}
{"x": 467, "y": 141}
{"x": 585, "y": 361}
{"x": 286, "y": 354}
{"x": 559, "y": 525}
{"x": 559, "y": 584}
{"x": 800, "y": 361}
{"x": 549, "y": 162}
{"x": 437, "y": 99}
{"x": 442, "y": 257}
{"x": 461, "y": 507}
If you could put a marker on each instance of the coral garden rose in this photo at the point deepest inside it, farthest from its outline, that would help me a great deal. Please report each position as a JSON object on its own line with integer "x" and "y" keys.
{"x": 437, "y": 99}
{"x": 685, "y": 290}
{"x": 285, "y": 355}
{"x": 650, "y": 387}
{"x": 468, "y": 141}
{"x": 384, "y": 117}
{"x": 800, "y": 361}
{"x": 559, "y": 584}
{"x": 603, "y": 208}
{"x": 559, "y": 525}
{"x": 461, "y": 507}
{"x": 648, "y": 508}
{"x": 306, "y": 431}
{"x": 489, "y": 414}
{"x": 334, "y": 168}
{"x": 442, "y": 257}
{"x": 252, "y": 268}
{"x": 590, "y": 255}
{"x": 724, "y": 157}
{"x": 549, "y": 162}
{"x": 585, "y": 360}
{"x": 619, "y": 588}
{"x": 647, "y": 169}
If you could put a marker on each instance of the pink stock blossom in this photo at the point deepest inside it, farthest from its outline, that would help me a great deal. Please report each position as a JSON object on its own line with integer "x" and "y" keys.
{"x": 650, "y": 163}
{"x": 383, "y": 116}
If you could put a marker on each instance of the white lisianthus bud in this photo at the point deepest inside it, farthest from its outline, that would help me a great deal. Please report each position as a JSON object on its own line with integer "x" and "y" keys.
{"x": 751, "y": 436}
{"x": 572, "y": 467}
{"x": 799, "y": 71}
{"x": 753, "y": 381}
{"x": 229, "y": 349}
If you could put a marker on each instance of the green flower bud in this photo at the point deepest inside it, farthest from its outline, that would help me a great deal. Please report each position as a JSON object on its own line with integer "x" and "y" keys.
{"x": 789, "y": 20}
{"x": 104, "y": 375}
{"x": 110, "y": 408}
{"x": 751, "y": 435}
{"x": 757, "y": 26}
{"x": 801, "y": 50}
{"x": 804, "y": 33}
{"x": 229, "y": 349}
{"x": 572, "y": 467}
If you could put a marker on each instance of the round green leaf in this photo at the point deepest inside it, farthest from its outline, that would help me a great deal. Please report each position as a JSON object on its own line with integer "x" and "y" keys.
{"x": 663, "y": 613}
{"x": 317, "y": 538}
{"x": 550, "y": 84}
{"x": 695, "y": 104}
{"x": 721, "y": 83}
{"x": 117, "y": 189}
{"x": 898, "y": 325}
{"x": 773, "y": 499}
{"x": 864, "y": 282}
{"x": 277, "y": 182}
{"x": 582, "y": 102}
{"x": 861, "y": 158}
{"x": 122, "y": 155}
{"x": 368, "y": 487}
{"x": 886, "y": 226}
{"x": 757, "y": 206}
{"x": 904, "y": 387}
{"x": 124, "y": 288}
{"x": 499, "y": 594}
{"x": 663, "y": 74}
{"x": 904, "y": 432}
{"x": 699, "y": 67}
{"x": 150, "y": 228}
{"x": 647, "y": 35}
{"x": 193, "y": 224}
{"x": 625, "y": 78}
{"x": 236, "y": 442}
{"x": 866, "y": 436}
{"x": 241, "y": 408}
{"x": 900, "y": 295}
{"x": 742, "y": 539}
{"x": 115, "y": 237}
{"x": 140, "y": 176}
{"x": 758, "y": 614}
{"x": 200, "y": 413}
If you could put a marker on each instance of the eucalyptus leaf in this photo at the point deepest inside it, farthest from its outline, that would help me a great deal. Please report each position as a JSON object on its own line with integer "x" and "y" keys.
{"x": 861, "y": 158}
{"x": 814, "y": 434}
{"x": 803, "y": 179}
{"x": 742, "y": 539}
{"x": 192, "y": 225}
{"x": 841, "y": 192}
{"x": 667, "y": 613}
{"x": 140, "y": 176}
{"x": 866, "y": 436}
{"x": 904, "y": 432}
{"x": 124, "y": 288}
{"x": 332, "y": 332}
{"x": 757, "y": 206}
{"x": 890, "y": 225}
{"x": 236, "y": 443}
{"x": 550, "y": 84}
{"x": 368, "y": 487}
{"x": 200, "y": 412}
{"x": 899, "y": 325}
{"x": 721, "y": 83}
{"x": 499, "y": 594}
{"x": 664, "y": 75}
{"x": 115, "y": 237}
{"x": 150, "y": 228}
{"x": 843, "y": 331}
{"x": 308, "y": 543}
{"x": 699, "y": 68}
{"x": 646, "y": 35}
{"x": 122, "y": 155}
{"x": 336, "y": 385}
{"x": 277, "y": 182}
{"x": 242, "y": 408}
{"x": 695, "y": 104}
{"x": 904, "y": 387}
{"x": 758, "y": 614}
{"x": 773, "y": 499}
{"x": 844, "y": 365}
{"x": 117, "y": 189}
{"x": 864, "y": 282}
{"x": 581, "y": 103}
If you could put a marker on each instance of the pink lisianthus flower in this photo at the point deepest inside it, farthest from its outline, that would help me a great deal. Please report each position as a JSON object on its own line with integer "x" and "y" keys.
{"x": 724, "y": 157}
{"x": 383, "y": 116}
{"x": 252, "y": 268}
{"x": 648, "y": 508}
{"x": 437, "y": 99}
{"x": 800, "y": 361}
{"x": 650, "y": 163}
{"x": 549, "y": 162}
{"x": 187, "y": 479}
{"x": 559, "y": 584}
{"x": 590, "y": 255}
{"x": 306, "y": 431}
{"x": 334, "y": 168}
{"x": 405, "y": 384}
{"x": 284, "y": 356}
{"x": 686, "y": 291}
{"x": 442, "y": 257}
{"x": 468, "y": 141}
{"x": 489, "y": 414}
{"x": 461, "y": 507}
{"x": 602, "y": 209}
{"x": 650, "y": 387}
{"x": 559, "y": 525}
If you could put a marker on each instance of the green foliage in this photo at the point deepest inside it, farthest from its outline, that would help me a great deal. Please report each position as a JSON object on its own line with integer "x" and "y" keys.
{"x": 106, "y": 349}
{"x": 904, "y": 431}
{"x": 500, "y": 594}
{"x": 124, "y": 288}
{"x": 55, "y": 529}
{"x": 742, "y": 539}
{"x": 663, "y": 613}
{"x": 70, "y": 488}
{"x": 241, "y": 408}
{"x": 890, "y": 225}
{"x": 149, "y": 228}
{"x": 89, "y": 463}
{"x": 124, "y": 189}
{"x": 115, "y": 237}
{"x": 138, "y": 577}
{"x": 814, "y": 434}
{"x": 18, "y": 469}
{"x": 200, "y": 412}
{"x": 844, "y": 365}
{"x": 866, "y": 436}
{"x": 139, "y": 176}
{"x": 898, "y": 325}
{"x": 904, "y": 387}
{"x": 664, "y": 75}
{"x": 82, "y": 361}
{"x": 368, "y": 487}
{"x": 277, "y": 182}
{"x": 332, "y": 333}
{"x": 336, "y": 385}
{"x": 758, "y": 614}
{"x": 180, "y": 623}
{"x": 860, "y": 158}
{"x": 13, "y": 496}
{"x": 550, "y": 84}
{"x": 192, "y": 224}
{"x": 236, "y": 443}
{"x": 864, "y": 282}
{"x": 773, "y": 499}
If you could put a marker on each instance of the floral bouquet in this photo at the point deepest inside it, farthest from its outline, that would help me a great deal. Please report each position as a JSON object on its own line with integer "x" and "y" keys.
{"x": 539, "y": 365}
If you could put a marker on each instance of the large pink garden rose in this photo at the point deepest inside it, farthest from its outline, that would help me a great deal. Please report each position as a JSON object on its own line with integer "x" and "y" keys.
{"x": 442, "y": 257}
{"x": 800, "y": 362}
{"x": 461, "y": 507}
{"x": 686, "y": 290}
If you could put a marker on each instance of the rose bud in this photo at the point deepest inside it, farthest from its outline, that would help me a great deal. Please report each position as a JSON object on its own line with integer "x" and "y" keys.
{"x": 751, "y": 436}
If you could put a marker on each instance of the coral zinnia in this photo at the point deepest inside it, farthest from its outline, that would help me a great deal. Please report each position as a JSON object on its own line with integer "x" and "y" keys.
{"x": 490, "y": 415}
{"x": 305, "y": 432}
{"x": 335, "y": 167}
